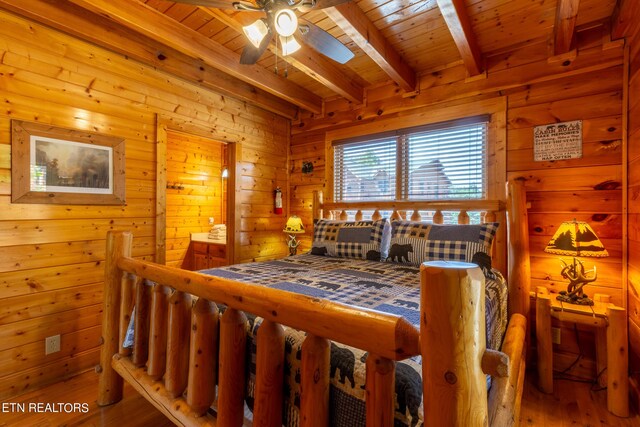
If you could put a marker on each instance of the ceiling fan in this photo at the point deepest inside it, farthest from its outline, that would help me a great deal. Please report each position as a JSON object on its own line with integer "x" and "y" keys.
{"x": 281, "y": 20}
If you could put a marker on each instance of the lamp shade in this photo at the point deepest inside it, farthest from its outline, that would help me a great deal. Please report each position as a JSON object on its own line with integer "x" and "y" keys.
{"x": 576, "y": 238}
{"x": 294, "y": 225}
{"x": 256, "y": 32}
{"x": 289, "y": 45}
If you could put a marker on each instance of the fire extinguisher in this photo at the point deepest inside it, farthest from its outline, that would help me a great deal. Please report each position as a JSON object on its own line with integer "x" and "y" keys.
{"x": 278, "y": 201}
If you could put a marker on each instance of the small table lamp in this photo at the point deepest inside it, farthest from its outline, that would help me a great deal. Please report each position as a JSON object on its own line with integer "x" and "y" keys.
{"x": 576, "y": 239}
{"x": 294, "y": 226}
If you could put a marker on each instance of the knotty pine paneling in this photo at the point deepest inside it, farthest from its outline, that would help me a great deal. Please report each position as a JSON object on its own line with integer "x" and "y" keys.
{"x": 538, "y": 93}
{"x": 194, "y": 163}
{"x": 52, "y": 256}
{"x": 633, "y": 195}
{"x": 588, "y": 189}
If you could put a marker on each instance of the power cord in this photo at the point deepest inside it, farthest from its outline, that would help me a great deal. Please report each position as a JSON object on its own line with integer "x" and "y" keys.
{"x": 564, "y": 376}
{"x": 575, "y": 362}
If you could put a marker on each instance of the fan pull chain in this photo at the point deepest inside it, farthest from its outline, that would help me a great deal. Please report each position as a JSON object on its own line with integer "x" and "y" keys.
{"x": 276, "y": 68}
{"x": 286, "y": 69}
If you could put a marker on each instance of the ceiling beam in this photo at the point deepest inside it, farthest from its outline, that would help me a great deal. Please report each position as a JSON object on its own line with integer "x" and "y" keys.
{"x": 564, "y": 28}
{"x": 314, "y": 65}
{"x": 625, "y": 15}
{"x": 148, "y": 21}
{"x": 457, "y": 19}
{"x": 85, "y": 25}
{"x": 359, "y": 28}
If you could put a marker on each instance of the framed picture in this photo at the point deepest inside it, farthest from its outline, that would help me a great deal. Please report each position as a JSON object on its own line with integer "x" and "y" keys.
{"x": 65, "y": 166}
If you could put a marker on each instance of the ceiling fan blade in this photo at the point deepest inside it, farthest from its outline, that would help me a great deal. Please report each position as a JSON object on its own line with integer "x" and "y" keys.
{"x": 307, "y": 5}
{"x": 324, "y": 42}
{"x": 245, "y": 5}
{"x": 218, "y": 4}
{"x": 251, "y": 54}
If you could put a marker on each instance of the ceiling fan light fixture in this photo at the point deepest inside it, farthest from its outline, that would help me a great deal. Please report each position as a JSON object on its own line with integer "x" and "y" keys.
{"x": 256, "y": 32}
{"x": 286, "y": 22}
{"x": 289, "y": 45}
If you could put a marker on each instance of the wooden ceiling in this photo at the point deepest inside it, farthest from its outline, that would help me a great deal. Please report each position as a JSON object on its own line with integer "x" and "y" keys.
{"x": 393, "y": 40}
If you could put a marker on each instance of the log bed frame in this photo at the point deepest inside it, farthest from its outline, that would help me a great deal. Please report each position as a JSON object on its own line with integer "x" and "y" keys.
{"x": 182, "y": 349}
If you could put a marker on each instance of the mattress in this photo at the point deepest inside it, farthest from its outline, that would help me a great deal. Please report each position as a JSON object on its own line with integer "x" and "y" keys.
{"x": 385, "y": 286}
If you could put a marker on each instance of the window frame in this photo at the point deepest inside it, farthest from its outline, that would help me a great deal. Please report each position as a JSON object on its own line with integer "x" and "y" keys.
{"x": 495, "y": 108}
{"x": 401, "y": 140}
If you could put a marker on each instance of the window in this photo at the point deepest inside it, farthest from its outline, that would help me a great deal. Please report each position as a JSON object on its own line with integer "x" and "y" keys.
{"x": 434, "y": 162}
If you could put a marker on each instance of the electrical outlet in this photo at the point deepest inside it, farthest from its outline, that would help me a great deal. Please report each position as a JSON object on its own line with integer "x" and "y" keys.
{"x": 555, "y": 335}
{"x": 52, "y": 344}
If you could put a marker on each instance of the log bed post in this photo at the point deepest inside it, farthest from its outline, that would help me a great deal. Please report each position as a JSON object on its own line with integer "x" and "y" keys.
{"x": 110, "y": 383}
{"x": 453, "y": 342}
{"x": 519, "y": 270}
{"x": 618, "y": 365}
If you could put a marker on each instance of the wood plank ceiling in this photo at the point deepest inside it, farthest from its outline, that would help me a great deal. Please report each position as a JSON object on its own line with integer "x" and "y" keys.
{"x": 396, "y": 40}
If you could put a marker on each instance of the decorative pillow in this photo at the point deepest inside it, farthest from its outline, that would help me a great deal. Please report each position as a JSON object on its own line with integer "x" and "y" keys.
{"x": 352, "y": 239}
{"x": 417, "y": 242}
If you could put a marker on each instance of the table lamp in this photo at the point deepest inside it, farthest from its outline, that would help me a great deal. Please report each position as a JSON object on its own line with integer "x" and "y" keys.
{"x": 294, "y": 226}
{"x": 576, "y": 239}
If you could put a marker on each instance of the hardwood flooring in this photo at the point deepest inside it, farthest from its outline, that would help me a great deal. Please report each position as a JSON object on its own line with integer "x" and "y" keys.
{"x": 132, "y": 411}
{"x": 572, "y": 404}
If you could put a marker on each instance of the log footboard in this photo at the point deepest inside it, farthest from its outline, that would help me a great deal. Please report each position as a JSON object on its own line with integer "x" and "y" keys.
{"x": 200, "y": 345}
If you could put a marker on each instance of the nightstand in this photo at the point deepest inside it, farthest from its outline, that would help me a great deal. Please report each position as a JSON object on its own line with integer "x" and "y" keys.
{"x": 610, "y": 323}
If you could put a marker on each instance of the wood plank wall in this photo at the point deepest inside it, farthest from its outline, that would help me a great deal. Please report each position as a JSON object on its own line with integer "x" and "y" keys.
{"x": 194, "y": 163}
{"x": 51, "y": 256}
{"x": 588, "y": 189}
{"x": 634, "y": 207}
{"x": 539, "y": 92}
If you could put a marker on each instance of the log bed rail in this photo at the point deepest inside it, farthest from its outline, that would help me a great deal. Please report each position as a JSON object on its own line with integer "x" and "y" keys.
{"x": 184, "y": 346}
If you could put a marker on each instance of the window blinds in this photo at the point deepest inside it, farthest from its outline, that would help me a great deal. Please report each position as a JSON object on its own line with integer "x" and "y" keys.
{"x": 435, "y": 162}
{"x": 365, "y": 170}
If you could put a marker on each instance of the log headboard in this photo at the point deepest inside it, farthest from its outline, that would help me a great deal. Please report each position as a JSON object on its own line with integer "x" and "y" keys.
{"x": 510, "y": 252}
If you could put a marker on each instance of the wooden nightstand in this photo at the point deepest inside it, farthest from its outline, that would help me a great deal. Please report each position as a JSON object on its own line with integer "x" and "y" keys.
{"x": 610, "y": 322}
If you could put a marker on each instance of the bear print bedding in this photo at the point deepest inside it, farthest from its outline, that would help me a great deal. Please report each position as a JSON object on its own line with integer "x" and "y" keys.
{"x": 384, "y": 286}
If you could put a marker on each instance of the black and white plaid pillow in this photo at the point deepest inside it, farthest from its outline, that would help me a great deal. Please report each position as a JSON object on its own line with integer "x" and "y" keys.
{"x": 417, "y": 242}
{"x": 352, "y": 239}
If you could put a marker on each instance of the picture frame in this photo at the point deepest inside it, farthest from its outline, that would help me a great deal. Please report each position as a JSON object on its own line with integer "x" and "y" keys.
{"x": 55, "y": 165}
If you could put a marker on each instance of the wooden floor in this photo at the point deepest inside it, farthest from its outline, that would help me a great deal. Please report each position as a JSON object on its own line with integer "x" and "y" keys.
{"x": 132, "y": 411}
{"x": 572, "y": 404}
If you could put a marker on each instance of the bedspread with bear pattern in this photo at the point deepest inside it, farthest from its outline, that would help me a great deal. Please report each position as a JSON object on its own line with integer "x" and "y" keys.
{"x": 384, "y": 286}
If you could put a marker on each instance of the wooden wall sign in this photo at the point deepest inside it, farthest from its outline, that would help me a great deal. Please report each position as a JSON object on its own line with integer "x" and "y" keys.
{"x": 65, "y": 166}
{"x": 557, "y": 141}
